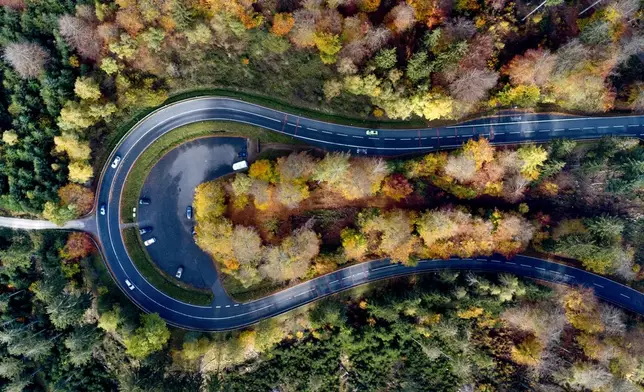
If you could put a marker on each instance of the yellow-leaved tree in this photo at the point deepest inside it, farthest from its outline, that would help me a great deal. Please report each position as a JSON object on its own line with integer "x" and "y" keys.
{"x": 532, "y": 159}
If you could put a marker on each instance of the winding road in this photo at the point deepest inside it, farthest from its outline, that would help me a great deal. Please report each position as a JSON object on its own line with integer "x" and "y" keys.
{"x": 225, "y": 314}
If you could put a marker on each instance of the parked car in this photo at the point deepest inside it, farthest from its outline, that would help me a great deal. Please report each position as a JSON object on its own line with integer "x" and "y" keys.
{"x": 372, "y": 132}
{"x": 116, "y": 161}
{"x": 144, "y": 201}
{"x": 129, "y": 284}
{"x": 145, "y": 230}
{"x": 179, "y": 272}
{"x": 102, "y": 209}
{"x": 189, "y": 212}
{"x": 150, "y": 241}
{"x": 193, "y": 231}
{"x": 241, "y": 165}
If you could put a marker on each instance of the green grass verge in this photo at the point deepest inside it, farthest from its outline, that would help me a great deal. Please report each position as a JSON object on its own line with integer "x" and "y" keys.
{"x": 242, "y": 294}
{"x": 158, "y": 278}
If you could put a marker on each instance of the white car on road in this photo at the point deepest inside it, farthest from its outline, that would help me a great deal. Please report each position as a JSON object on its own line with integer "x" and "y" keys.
{"x": 116, "y": 161}
{"x": 129, "y": 284}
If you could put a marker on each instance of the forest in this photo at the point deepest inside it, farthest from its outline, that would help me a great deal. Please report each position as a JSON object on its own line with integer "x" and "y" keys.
{"x": 306, "y": 214}
{"x": 65, "y": 326}
{"x": 74, "y": 73}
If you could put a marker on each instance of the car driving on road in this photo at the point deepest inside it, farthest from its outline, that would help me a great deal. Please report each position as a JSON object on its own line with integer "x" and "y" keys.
{"x": 179, "y": 272}
{"x": 116, "y": 161}
{"x": 372, "y": 132}
{"x": 145, "y": 230}
{"x": 150, "y": 241}
{"x": 129, "y": 284}
{"x": 102, "y": 209}
{"x": 189, "y": 212}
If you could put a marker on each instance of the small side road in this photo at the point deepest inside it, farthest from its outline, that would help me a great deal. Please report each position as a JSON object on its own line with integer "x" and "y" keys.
{"x": 87, "y": 224}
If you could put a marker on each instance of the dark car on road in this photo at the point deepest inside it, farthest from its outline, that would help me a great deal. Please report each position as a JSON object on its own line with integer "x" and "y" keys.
{"x": 189, "y": 212}
{"x": 144, "y": 201}
{"x": 145, "y": 230}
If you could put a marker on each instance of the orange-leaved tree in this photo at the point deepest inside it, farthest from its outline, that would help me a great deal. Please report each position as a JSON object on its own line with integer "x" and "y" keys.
{"x": 282, "y": 24}
{"x": 78, "y": 196}
{"x": 78, "y": 245}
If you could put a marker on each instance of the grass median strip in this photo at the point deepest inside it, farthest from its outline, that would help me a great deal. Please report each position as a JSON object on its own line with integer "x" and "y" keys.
{"x": 241, "y": 294}
{"x": 158, "y": 278}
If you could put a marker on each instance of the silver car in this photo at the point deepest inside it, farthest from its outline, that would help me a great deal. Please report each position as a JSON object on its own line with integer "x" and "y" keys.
{"x": 129, "y": 284}
{"x": 179, "y": 272}
{"x": 150, "y": 241}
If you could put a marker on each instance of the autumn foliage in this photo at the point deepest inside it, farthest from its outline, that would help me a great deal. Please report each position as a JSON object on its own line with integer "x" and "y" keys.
{"x": 396, "y": 186}
{"x": 80, "y": 197}
{"x": 479, "y": 168}
{"x": 288, "y": 186}
{"x": 78, "y": 245}
{"x": 282, "y": 24}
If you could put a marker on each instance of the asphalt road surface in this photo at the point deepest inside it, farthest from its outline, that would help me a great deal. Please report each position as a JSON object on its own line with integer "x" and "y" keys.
{"x": 224, "y": 314}
{"x": 170, "y": 188}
